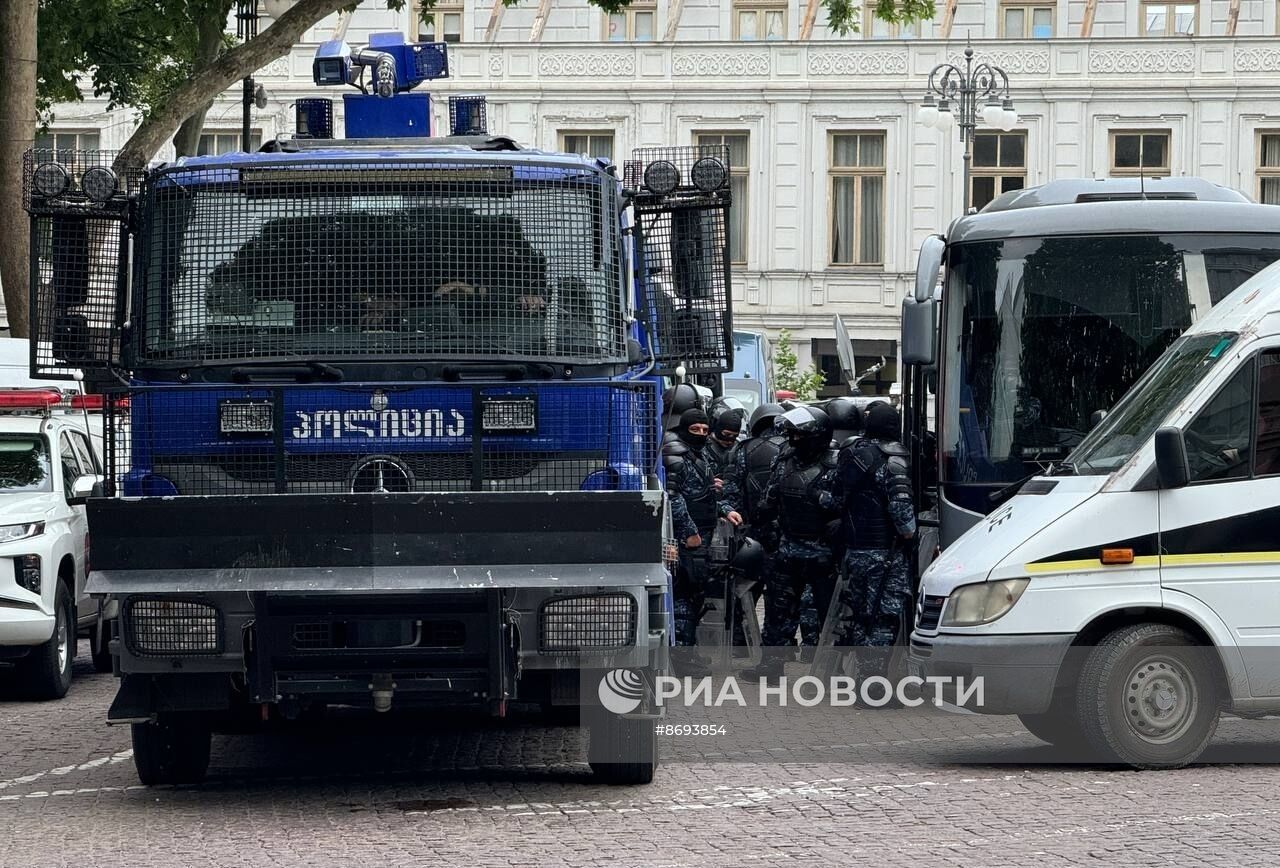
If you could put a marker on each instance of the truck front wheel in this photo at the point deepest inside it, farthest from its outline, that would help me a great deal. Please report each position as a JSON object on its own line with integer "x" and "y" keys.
{"x": 1148, "y": 697}
{"x": 623, "y": 750}
{"x": 173, "y": 750}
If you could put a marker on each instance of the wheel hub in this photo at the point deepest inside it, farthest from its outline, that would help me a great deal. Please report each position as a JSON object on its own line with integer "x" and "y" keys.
{"x": 1160, "y": 699}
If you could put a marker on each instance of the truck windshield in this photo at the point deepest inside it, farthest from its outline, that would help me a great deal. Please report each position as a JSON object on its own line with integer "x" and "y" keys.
{"x": 24, "y": 465}
{"x": 459, "y": 263}
{"x": 1043, "y": 332}
{"x": 1148, "y": 404}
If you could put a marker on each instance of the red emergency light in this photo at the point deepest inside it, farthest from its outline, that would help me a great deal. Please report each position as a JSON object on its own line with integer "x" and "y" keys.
{"x": 96, "y": 402}
{"x": 29, "y": 399}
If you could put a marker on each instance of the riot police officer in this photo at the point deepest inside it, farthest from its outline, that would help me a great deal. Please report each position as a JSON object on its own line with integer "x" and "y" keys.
{"x": 726, "y": 426}
{"x": 794, "y": 496}
{"x": 872, "y": 486}
{"x": 695, "y": 507}
{"x": 753, "y": 462}
{"x": 675, "y": 400}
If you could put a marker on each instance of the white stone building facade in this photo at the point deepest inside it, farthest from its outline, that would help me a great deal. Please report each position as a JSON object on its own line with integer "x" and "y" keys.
{"x": 836, "y": 180}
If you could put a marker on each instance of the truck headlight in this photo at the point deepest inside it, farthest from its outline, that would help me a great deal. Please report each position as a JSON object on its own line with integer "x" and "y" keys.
{"x": 590, "y": 623}
{"x": 15, "y": 532}
{"x": 983, "y": 602}
{"x": 514, "y": 415}
{"x": 246, "y": 417}
{"x": 167, "y": 628}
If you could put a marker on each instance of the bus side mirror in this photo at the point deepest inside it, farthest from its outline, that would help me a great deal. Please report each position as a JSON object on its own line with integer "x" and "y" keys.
{"x": 927, "y": 267}
{"x": 1171, "y": 458}
{"x": 919, "y": 331}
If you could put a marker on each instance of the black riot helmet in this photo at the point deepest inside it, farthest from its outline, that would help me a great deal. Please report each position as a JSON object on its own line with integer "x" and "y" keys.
{"x": 883, "y": 422}
{"x": 763, "y": 418}
{"x": 726, "y": 424}
{"x": 846, "y": 418}
{"x": 808, "y": 430}
{"x": 675, "y": 401}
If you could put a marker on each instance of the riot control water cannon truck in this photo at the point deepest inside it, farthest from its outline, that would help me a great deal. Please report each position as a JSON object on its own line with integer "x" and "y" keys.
{"x": 382, "y": 411}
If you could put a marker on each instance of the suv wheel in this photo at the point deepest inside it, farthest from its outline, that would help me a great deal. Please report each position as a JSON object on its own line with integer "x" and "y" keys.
{"x": 1148, "y": 697}
{"x": 46, "y": 671}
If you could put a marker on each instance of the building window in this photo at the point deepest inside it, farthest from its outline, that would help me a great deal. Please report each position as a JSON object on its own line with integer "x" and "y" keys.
{"x": 739, "y": 171}
{"x": 1140, "y": 153}
{"x": 1169, "y": 19}
{"x": 58, "y": 141}
{"x": 1026, "y": 20}
{"x": 999, "y": 165}
{"x": 1269, "y": 168}
{"x": 597, "y": 144}
{"x": 857, "y": 198}
{"x": 442, "y": 22}
{"x": 225, "y": 142}
{"x": 635, "y": 24}
{"x": 878, "y": 28}
{"x": 754, "y": 20}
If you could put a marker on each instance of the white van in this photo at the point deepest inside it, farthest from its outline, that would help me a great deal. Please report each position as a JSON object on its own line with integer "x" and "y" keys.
{"x": 1125, "y": 600}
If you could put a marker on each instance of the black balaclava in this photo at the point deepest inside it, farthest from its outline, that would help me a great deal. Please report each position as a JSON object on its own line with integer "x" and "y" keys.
{"x": 730, "y": 421}
{"x": 883, "y": 422}
{"x": 692, "y": 416}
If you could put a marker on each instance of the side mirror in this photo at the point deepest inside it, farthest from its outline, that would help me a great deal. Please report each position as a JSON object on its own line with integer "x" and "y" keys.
{"x": 927, "y": 267}
{"x": 919, "y": 331}
{"x": 1171, "y": 458}
{"x": 83, "y": 488}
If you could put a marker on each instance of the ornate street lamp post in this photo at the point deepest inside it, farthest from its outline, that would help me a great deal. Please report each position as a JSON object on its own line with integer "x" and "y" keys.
{"x": 958, "y": 93}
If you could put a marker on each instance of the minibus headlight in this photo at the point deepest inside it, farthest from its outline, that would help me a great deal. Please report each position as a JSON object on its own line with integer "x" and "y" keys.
{"x": 983, "y": 602}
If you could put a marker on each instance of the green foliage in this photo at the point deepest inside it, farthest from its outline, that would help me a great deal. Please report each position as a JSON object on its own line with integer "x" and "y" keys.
{"x": 786, "y": 373}
{"x": 132, "y": 51}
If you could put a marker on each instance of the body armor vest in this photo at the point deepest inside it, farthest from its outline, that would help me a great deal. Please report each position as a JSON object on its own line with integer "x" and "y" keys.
{"x": 867, "y": 501}
{"x": 699, "y": 483}
{"x": 799, "y": 514}
{"x": 759, "y": 454}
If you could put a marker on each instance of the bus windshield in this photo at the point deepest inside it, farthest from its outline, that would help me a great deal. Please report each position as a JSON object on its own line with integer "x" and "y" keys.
{"x": 1041, "y": 333}
{"x": 1142, "y": 410}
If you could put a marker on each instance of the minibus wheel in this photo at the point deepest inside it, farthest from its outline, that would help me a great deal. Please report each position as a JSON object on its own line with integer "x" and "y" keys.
{"x": 1148, "y": 696}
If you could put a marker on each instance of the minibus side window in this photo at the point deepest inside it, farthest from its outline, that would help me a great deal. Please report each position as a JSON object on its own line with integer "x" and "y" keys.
{"x": 1219, "y": 441}
{"x": 1267, "y": 457}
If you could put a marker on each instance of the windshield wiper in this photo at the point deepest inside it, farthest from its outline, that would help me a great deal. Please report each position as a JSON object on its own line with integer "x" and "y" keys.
{"x": 1063, "y": 468}
{"x": 999, "y": 497}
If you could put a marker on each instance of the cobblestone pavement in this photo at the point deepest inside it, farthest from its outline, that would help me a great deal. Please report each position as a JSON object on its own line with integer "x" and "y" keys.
{"x": 354, "y": 791}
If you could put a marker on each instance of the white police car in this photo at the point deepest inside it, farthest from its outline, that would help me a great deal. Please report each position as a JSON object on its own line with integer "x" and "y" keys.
{"x": 50, "y": 459}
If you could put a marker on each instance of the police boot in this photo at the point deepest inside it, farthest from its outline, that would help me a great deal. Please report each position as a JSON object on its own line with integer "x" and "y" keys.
{"x": 772, "y": 663}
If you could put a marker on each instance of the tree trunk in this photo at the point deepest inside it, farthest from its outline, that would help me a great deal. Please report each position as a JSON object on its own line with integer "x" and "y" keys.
{"x": 211, "y": 24}
{"x": 243, "y": 60}
{"x": 17, "y": 133}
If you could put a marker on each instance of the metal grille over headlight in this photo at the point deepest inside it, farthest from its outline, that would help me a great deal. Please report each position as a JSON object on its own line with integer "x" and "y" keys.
{"x": 246, "y": 417}
{"x": 583, "y": 624}
{"x": 164, "y": 628}
{"x": 516, "y": 415}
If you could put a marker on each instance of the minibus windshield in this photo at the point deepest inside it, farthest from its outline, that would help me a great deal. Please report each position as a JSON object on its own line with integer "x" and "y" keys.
{"x": 1137, "y": 415}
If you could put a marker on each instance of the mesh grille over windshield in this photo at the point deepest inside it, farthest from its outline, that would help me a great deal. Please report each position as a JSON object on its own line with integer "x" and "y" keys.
{"x": 441, "y": 256}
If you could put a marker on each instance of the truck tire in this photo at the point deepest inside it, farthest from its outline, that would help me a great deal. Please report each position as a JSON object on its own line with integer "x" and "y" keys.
{"x": 46, "y": 672}
{"x": 1148, "y": 697}
{"x": 622, "y": 750}
{"x": 173, "y": 750}
{"x": 99, "y": 636}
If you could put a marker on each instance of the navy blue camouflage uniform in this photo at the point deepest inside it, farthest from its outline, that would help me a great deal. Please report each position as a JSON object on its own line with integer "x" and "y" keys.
{"x": 695, "y": 508}
{"x": 872, "y": 488}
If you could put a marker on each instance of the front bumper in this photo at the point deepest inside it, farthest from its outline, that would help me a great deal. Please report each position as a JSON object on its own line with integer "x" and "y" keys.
{"x": 24, "y": 627}
{"x": 1018, "y": 672}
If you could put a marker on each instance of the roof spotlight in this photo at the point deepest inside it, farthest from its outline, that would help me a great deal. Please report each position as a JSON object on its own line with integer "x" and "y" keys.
{"x": 662, "y": 177}
{"x": 99, "y": 183}
{"x": 50, "y": 180}
{"x": 709, "y": 174}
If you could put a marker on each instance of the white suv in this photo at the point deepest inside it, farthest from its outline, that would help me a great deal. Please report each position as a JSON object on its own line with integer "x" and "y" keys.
{"x": 49, "y": 462}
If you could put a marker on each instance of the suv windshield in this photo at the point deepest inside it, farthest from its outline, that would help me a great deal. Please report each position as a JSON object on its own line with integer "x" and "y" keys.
{"x": 24, "y": 465}
{"x": 337, "y": 261}
{"x": 1147, "y": 404}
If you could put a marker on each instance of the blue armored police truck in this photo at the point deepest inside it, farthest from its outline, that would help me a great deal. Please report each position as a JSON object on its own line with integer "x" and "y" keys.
{"x": 382, "y": 411}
